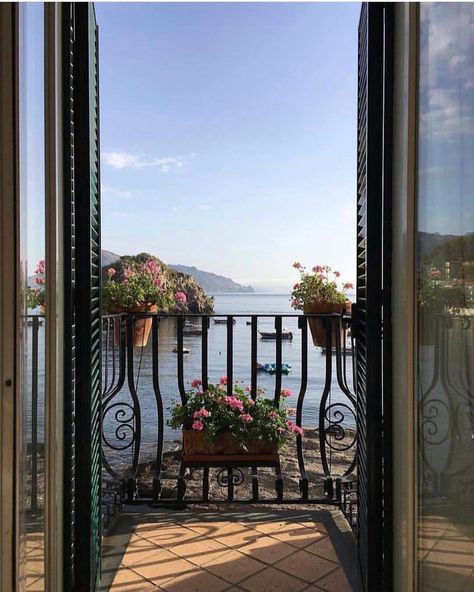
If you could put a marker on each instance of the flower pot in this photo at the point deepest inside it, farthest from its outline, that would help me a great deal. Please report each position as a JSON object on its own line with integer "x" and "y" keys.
{"x": 141, "y": 326}
{"x": 318, "y": 326}
{"x": 196, "y": 443}
{"x": 42, "y": 309}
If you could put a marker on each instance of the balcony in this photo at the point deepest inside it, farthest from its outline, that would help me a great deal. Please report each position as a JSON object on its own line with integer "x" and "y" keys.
{"x": 239, "y": 524}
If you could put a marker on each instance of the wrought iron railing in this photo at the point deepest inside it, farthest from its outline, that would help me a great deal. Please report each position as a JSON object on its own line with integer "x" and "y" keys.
{"x": 139, "y": 382}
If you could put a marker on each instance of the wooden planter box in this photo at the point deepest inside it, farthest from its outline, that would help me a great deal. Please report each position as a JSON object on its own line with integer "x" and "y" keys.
{"x": 195, "y": 443}
{"x": 318, "y": 326}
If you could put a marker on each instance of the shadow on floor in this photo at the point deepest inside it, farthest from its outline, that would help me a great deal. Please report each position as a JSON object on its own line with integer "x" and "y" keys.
{"x": 239, "y": 550}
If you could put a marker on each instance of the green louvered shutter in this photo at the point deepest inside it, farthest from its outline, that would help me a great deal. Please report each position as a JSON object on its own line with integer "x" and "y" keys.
{"x": 87, "y": 299}
{"x": 69, "y": 295}
{"x": 372, "y": 311}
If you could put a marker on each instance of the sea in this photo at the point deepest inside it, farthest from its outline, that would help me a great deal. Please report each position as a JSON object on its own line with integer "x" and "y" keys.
{"x": 242, "y": 304}
{"x": 118, "y": 427}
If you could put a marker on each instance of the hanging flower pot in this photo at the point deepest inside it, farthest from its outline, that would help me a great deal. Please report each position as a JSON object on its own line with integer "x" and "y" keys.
{"x": 141, "y": 326}
{"x": 319, "y": 291}
{"x": 318, "y": 326}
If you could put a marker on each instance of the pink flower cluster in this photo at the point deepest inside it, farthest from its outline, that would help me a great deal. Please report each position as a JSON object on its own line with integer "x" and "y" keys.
{"x": 294, "y": 428}
{"x": 196, "y": 383}
{"x": 285, "y": 393}
{"x": 180, "y": 297}
{"x": 198, "y": 425}
{"x": 201, "y": 413}
{"x": 234, "y": 403}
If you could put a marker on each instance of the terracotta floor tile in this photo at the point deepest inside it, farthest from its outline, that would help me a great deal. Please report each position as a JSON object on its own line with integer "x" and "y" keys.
{"x": 268, "y": 526}
{"x": 324, "y": 548}
{"x": 166, "y": 535}
{"x": 336, "y": 581}
{"x": 297, "y": 535}
{"x": 164, "y": 567}
{"x": 210, "y": 528}
{"x": 233, "y": 566}
{"x": 272, "y": 580}
{"x": 267, "y": 550}
{"x": 306, "y": 566}
{"x": 136, "y": 556}
{"x": 199, "y": 581}
{"x": 237, "y": 538}
{"x": 200, "y": 551}
{"x": 127, "y": 580}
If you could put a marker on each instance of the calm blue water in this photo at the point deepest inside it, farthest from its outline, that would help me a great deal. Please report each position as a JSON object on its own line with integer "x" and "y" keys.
{"x": 230, "y": 304}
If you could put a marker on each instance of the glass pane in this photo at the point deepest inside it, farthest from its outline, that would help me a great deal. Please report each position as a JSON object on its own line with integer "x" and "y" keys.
{"x": 445, "y": 265}
{"x": 32, "y": 290}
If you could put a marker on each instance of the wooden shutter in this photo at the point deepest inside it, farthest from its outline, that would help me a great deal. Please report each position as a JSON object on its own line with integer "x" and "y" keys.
{"x": 69, "y": 292}
{"x": 87, "y": 300}
{"x": 373, "y": 293}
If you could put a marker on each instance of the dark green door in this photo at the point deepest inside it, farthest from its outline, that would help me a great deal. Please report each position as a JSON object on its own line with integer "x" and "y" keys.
{"x": 82, "y": 500}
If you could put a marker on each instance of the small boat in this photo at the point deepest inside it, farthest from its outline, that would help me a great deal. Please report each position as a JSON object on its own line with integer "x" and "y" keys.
{"x": 185, "y": 350}
{"x": 272, "y": 368}
{"x": 345, "y": 352}
{"x": 190, "y": 329}
{"x": 223, "y": 321}
{"x": 272, "y": 334}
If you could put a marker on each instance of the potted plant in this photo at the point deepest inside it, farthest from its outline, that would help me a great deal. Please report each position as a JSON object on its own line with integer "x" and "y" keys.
{"x": 35, "y": 296}
{"x": 215, "y": 423}
{"x": 318, "y": 292}
{"x": 140, "y": 287}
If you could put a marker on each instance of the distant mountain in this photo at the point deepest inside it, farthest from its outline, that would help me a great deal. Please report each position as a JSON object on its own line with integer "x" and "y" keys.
{"x": 211, "y": 282}
{"x": 109, "y": 258}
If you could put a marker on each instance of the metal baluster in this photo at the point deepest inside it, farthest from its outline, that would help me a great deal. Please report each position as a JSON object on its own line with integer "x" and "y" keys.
{"x": 34, "y": 416}
{"x": 204, "y": 353}
{"x": 253, "y": 361}
{"x": 327, "y": 320}
{"x": 132, "y": 482}
{"x": 278, "y": 354}
{"x": 181, "y": 388}
{"x": 230, "y": 354}
{"x": 303, "y": 326}
{"x": 159, "y": 408}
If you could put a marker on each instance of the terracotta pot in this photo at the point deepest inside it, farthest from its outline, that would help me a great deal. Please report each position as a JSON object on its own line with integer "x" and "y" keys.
{"x": 196, "y": 443}
{"x": 141, "y": 326}
{"x": 42, "y": 309}
{"x": 318, "y": 326}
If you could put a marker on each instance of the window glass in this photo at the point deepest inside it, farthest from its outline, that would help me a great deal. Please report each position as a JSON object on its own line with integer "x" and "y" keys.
{"x": 445, "y": 266}
{"x": 32, "y": 276}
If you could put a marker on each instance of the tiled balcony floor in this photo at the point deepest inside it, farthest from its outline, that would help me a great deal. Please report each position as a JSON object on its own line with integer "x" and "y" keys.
{"x": 244, "y": 550}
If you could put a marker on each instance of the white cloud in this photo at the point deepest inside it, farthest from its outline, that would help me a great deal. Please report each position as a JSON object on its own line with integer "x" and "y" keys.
{"x": 127, "y": 160}
{"x": 115, "y": 193}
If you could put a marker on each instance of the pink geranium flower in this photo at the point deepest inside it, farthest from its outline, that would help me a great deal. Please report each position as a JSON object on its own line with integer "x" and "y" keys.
{"x": 127, "y": 272}
{"x": 223, "y": 380}
{"x": 294, "y": 428}
{"x": 203, "y": 412}
{"x": 297, "y": 265}
{"x": 234, "y": 403}
{"x": 348, "y": 286}
{"x": 246, "y": 417}
{"x": 251, "y": 402}
{"x": 198, "y": 425}
{"x": 180, "y": 297}
{"x": 285, "y": 393}
{"x": 111, "y": 271}
{"x": 196, "y": 383}
{"x": 272, "y": 415}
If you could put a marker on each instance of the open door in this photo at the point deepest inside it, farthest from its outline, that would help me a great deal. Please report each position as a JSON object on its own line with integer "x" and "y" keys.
{"x": 373, "y": 294}
{"x": 82, "y": 362}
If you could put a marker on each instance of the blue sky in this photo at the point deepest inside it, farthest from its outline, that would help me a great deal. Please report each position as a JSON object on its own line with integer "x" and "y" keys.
{"x": 228, "y": 135}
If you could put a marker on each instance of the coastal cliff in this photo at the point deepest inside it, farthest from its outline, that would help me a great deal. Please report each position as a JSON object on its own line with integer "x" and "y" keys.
{"x": 198, "y": 302}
